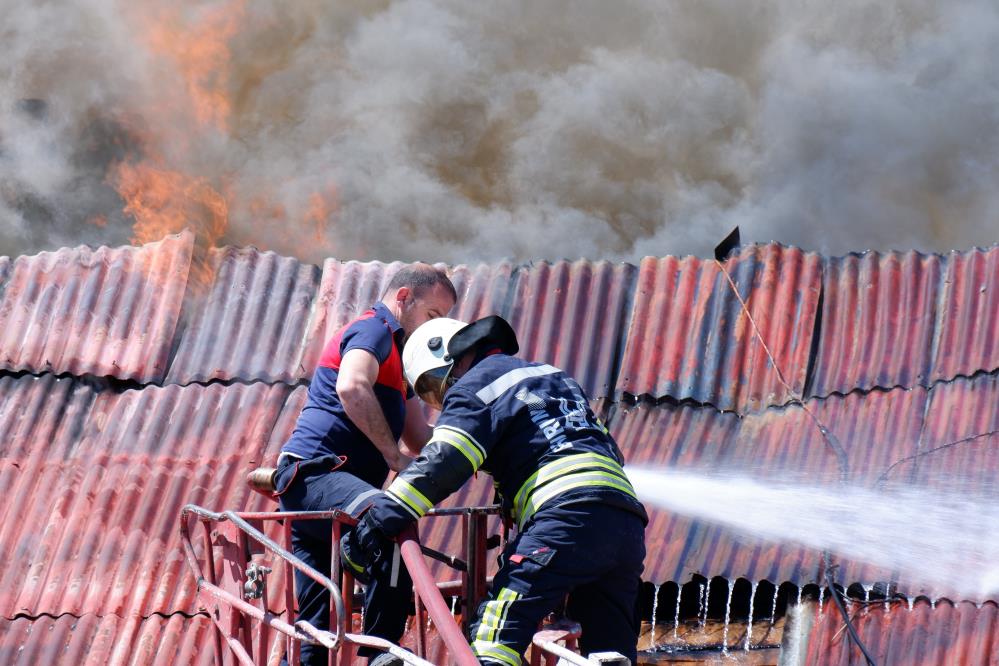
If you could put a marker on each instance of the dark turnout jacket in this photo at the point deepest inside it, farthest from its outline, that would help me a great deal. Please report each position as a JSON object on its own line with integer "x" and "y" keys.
{"x": 530, "y": 427}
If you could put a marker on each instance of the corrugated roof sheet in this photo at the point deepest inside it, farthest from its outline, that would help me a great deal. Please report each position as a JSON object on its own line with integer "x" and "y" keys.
{"x": 41, "y": 421}
{"x": 109, "y": 640}
{"x": 878, "y": 315}
{"x": 484, "y": 290}
{"x": 689, "y": 337}
{"x": 966, "y": 413}
{"x": 93, "y": 528}
{"x": 907, "y": 319}
{"x": 106, "y": 312}
{"x": 248, "y": 321}
{"x": 875, "y": 430}
{"x": 573, "y": 315}
{"x": 966, "y": 334}
{"x": 962, "y": 634}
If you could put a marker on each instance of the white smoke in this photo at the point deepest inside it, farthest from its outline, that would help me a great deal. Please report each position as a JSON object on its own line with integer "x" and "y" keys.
{"x": 459, "y": 131}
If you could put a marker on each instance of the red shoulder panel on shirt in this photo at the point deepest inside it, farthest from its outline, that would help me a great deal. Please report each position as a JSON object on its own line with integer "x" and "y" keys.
{"x": 389, "y": 372}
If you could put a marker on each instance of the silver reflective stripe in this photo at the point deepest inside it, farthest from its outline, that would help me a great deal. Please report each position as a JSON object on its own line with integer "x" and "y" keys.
{"x": 352, "y": 507}
{"x": 511, "y": 379}
{"x": 394, "y": 578}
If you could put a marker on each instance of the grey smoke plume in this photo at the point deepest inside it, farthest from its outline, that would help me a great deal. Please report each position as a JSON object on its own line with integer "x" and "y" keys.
{"x": 458, "y": 131}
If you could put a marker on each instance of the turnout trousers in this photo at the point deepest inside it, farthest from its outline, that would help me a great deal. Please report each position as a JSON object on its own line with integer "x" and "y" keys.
{"x": 314, "y": 485}
{"x": 594, "y": 553}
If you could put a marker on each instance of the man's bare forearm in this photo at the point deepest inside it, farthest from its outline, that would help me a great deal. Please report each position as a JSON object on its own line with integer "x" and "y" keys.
{"x": 364, "y": 411}
{"x": 416, "y": 431}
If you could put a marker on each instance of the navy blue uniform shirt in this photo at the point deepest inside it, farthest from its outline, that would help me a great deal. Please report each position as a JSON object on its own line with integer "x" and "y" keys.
{"x": 324, "y": 427}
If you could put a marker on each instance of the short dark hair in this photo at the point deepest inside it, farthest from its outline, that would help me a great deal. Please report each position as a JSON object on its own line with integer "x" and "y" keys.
{"x": 419, "y": 278}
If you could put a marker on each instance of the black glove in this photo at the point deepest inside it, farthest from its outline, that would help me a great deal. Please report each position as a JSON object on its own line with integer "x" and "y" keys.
{"x": 362, "y": 548}
{"x": 354, "y": 558}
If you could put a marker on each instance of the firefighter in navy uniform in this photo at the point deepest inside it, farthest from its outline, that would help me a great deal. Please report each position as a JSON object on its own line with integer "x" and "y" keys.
{"x": 580, "y": 527}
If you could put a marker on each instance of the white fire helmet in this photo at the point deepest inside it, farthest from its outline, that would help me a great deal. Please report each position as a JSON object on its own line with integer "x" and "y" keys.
{"x": 426, "y": 361}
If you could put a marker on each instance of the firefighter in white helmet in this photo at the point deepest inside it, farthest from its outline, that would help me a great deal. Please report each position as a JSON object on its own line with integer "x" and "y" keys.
{"x": 580, "y": 528}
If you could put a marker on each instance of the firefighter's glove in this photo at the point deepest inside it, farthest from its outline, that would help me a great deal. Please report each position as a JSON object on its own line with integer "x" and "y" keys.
{"x": 363, "y": 548}
{"x": 353, "y": 557}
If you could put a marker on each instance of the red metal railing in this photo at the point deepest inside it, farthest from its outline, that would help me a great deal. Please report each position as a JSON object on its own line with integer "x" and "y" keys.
{"x": 232, "y": 612}
{"x": 245, "y": 627}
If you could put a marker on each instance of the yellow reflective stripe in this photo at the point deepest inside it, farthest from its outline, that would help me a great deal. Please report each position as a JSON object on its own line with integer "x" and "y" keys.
{"x": 494, "y": 615}
{"x": 566, "y": 483}
{"x": 353, "y": 565}
{"x": 405, "y": 492}
{"x": 401, "y": 502}
{"x": 462, "y": 441}
{"x": 561, "y": 467}
{"x": 496, "y": 651}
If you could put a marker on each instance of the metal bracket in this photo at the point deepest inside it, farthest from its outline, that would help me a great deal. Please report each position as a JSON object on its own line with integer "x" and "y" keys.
{"x": 256, "y": 583}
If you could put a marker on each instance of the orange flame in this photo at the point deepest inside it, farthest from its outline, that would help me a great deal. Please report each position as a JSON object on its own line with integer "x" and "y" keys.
{"x": 201, "y": 55}
{"x": 322, "y": 205}
{"x": 167, "y": 188}
{"x": 162, "y": 200}
{"x": 165, "y": 202}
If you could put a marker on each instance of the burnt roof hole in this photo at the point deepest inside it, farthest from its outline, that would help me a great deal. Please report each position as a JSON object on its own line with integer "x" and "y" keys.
{"x": 702, "y": 600}
{"x": 787, "y": 596}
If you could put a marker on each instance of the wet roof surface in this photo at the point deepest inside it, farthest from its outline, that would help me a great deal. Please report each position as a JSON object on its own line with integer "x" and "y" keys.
{"x": 928, "y": 633}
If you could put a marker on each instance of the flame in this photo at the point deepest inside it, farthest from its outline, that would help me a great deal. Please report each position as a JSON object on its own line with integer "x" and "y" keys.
{"x": 322, "y": 206}
{"x": 164, "y": 202}
{"x": 200, "y": 52}
{"x": 193, "y": 43}
{"x": 164, "y": 185}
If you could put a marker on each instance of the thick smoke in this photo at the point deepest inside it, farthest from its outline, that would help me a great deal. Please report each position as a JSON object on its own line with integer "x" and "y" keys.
{"x": 459, "y": 131}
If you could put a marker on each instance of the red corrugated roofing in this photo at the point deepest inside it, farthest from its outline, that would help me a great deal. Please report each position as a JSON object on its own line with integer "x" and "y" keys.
{"x": 106, "y": 312}
{"x": 875, "y": 430}
{"x": 93, "y": 526}
{"x": 878, "y": 316}
{"x": 109, "y": 640}
{"x": 483, "y": 290}
{"x": 689, "y": 337}
{"x": 573, "y": 315}
{"x": 907, "y": 319}
{"x": 962, "y": 634}
{"x": 247, "y": 321}
{"x": 966, "y": 334}
{"x": 964, "y": 413}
